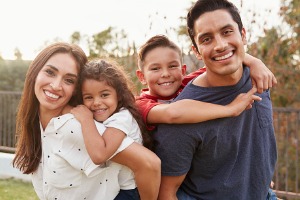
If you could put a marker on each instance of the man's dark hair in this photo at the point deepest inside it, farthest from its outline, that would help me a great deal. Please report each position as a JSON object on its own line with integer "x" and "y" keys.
{"x": 203, "y": 6}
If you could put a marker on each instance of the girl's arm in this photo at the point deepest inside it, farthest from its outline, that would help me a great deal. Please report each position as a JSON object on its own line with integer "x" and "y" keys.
{"x": 261, "y": 76}
{"x": 192, "y": 111}
{"x": 146, "y": 167}
{"x": 100, "y": 148}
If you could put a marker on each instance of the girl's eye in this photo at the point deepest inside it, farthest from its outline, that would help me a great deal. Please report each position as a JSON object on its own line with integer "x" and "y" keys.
{"x": 87, "y": 97}
{"x": 104, "y": 95}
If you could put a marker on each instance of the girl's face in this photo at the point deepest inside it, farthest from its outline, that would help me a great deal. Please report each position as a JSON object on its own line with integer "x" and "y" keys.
{"x": 56, "y": 83}
{"x": 100, "y": 98}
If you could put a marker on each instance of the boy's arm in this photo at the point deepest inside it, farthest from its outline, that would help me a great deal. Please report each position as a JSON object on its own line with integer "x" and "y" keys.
{"x": 192, "y": 111}
{"x": 146, "y": 167}
{"x": 261, "y": 76}
{"x": 100, "y": 148}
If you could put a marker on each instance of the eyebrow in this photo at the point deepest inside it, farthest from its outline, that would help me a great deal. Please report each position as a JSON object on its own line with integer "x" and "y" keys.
{"x": 208, "y": 33}
{"x": 55, "y": 69}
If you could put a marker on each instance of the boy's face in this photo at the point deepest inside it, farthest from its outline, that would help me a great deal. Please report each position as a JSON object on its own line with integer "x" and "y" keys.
{"x": 162, "y": 72}
{"x": 220, "y": 43}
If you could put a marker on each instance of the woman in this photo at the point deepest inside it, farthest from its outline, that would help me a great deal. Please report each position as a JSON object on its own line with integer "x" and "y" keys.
{"x": 44, "y": 126}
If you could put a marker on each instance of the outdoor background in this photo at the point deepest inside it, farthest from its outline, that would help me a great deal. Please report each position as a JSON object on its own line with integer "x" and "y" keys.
{"x": 117, "y": 28}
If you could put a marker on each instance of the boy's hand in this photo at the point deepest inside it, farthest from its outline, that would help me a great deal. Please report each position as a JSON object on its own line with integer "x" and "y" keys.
{"x": 82, "y": 113}
{"x": 243, "y": 102}
{"x": 262, "y": 78}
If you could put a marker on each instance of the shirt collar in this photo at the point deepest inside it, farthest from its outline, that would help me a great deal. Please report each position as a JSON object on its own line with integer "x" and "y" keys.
{"x": 61, "y": 120}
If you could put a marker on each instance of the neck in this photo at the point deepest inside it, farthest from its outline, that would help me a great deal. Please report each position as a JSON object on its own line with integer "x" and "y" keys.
{"x": 211, "y": 79}
{"x": 46, "y": 115}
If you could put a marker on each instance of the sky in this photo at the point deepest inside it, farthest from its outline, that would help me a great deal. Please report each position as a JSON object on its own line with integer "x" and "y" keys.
{"x": 29, "y": 24}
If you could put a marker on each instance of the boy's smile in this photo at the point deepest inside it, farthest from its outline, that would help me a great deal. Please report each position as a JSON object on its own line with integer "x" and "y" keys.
{"x": 162, "y": 72}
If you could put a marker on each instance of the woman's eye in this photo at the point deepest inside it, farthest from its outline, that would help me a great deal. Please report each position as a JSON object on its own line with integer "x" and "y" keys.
{"x": 87, "y": 97}
{"x": 49, "y": 72}
{"x": 70, "y": 81}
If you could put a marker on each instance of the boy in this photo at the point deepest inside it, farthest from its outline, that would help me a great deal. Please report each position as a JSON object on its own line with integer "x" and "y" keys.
{"x": 160, "y": 68}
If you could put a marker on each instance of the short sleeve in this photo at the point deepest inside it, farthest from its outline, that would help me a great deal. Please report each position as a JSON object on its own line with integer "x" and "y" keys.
{"x": 175, "y": 146}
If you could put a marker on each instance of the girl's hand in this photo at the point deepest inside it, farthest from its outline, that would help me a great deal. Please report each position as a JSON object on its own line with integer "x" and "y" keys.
{"x": 82, "y": 113}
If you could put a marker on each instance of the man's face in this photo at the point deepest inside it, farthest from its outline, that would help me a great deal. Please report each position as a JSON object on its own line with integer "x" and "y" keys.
{"x": 220, "y": 43}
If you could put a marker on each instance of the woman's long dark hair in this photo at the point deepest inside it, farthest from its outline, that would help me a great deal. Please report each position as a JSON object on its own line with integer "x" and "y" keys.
{"x": 29, "y": 146}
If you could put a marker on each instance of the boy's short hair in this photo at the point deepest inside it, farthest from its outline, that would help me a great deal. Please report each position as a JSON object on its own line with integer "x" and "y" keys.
{"x": 203, "y": 6}
{"x": 152, "y": 43}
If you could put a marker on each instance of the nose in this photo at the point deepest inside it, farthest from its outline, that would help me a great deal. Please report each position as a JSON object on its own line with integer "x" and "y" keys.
{"x": 221, "y": 43}
{"x": 97, "y": 102}
{"x": 56, "y": 85}
{"x": 165, "y": 72}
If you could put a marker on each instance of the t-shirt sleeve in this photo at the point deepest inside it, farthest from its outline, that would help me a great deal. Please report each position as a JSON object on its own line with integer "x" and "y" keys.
{"x": 175, "y": 146}
{"x": 123, "y": 121}
{"x": 193, "y": 75}
{"x": 145, "y": 105}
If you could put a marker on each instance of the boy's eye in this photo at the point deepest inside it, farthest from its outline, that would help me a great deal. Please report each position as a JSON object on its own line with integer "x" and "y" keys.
{"x": 154, "y": 69}
{"x": 173, "y": 66}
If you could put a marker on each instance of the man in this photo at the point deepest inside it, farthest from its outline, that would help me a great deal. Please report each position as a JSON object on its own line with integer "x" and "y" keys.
{"x": 228, "y": 158}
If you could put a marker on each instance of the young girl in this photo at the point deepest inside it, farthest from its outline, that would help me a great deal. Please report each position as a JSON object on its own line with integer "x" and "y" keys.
{"x": 108, "y": 99}
{"x": 50, "y": 144}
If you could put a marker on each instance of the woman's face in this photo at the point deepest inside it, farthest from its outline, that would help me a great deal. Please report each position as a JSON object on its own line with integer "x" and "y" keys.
{"x": 56, "y": 82}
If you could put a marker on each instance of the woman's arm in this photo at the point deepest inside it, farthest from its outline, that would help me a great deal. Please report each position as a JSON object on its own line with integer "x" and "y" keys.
{"x": 146, "y": 167}
{"x": 100, "y": 148}
{"x": 192, "y": 111}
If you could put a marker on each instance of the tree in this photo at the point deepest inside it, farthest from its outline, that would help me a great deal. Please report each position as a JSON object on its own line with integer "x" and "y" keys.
{"x": 18, "y": 54}
{"x": 279, "y": 49}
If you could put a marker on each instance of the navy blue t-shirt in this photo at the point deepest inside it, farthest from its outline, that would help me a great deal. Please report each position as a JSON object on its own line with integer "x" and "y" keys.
{"x": 228, "y": 158}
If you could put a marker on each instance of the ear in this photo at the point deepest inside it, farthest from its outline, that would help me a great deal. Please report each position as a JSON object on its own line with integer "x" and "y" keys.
{"x": 183, "y": 70}
{"x": 196, "y": 53}
{"x": 244, "y": 36}
{"x": 141, "y": 76}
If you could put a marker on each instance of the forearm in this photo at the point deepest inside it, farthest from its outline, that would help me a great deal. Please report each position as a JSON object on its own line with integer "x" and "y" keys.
{"x": 94, "y": 142}
{"x": 146, "y": 167}
{"x": 169, "y": 186}
{"x": 187, "y": 111}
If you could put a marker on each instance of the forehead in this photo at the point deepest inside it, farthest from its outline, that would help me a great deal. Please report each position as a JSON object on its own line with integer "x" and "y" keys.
{"x": 63, "y": 62}
{"x": 162, "y": 54}
{"x": 213, "y": 21}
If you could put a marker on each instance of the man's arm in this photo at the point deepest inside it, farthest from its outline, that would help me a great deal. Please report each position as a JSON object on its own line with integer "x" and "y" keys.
{"x": 169, "y": 186}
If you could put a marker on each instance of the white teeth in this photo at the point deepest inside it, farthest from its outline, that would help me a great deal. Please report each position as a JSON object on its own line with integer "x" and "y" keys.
{"x": 49, "y": 94}
{"x": 168, "y": 83}
{"x": 224, "y": 57}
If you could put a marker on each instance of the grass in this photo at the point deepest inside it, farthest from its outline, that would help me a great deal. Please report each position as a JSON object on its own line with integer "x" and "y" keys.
{"x": 12, "y": 189}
